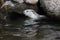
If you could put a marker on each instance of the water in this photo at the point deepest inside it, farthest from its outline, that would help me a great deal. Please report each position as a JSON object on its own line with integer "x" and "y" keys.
{"x": 23, "y": 28}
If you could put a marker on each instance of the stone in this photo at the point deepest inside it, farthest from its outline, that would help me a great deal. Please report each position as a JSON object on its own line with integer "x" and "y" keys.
{"x": 7, "y": 3}
{"x": 52, "y": 7}
{"x": 19, "y": 1}
{"x": 19, "y": 8}
{"x": 31, "y": 1}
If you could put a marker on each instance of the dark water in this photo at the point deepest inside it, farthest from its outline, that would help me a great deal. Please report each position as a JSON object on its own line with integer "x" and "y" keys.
{"x": 23, "y": 28}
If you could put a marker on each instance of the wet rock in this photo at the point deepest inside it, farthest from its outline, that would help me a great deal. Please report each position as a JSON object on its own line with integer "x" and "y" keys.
{"x": 52, "y": 7}
{"x": 31, "y": 1}
{"x": 9, "y": 3}
{"x": 19, "y": 1}
{"x": 19, "y": 8}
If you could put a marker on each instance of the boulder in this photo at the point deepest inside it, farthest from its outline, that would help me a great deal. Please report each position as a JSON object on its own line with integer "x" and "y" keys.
{"x": 19, "y": 8}
{"x": 11, "y": 6}
{"x": 19, "y": 1}
{"x": 31, "y": 1}
{"x": 52, "y": 7}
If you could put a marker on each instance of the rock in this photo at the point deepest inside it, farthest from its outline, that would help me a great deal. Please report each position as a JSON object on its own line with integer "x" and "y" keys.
{"x": 31, "y": 1}
{"x": 9, "y": 3}
{"x": 19, "y": 1}
{"x": 19, "y": 8}
{"x": 52, "y": 7}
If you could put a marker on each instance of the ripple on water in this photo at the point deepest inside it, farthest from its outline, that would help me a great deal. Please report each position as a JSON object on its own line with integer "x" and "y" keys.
{"x": 27, "y": 28}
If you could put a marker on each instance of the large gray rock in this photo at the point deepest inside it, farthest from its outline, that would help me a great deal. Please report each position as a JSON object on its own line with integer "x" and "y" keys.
{"x": 19, "y": 1}
{"x": 31, "y": 1}
{"x": 52, "y": 7}
{"x": 11, "y": 6}
{"x": 20, "y": 7}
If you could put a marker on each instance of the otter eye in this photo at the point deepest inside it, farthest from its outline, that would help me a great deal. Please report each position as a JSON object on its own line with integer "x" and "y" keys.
{"x": 27, "y": 11}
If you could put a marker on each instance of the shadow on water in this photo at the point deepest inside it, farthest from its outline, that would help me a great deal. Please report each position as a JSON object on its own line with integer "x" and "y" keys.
{"x": 19, "y": 27}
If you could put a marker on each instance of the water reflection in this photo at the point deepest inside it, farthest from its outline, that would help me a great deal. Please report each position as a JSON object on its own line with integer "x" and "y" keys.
{"x": 29, "y": 29}
{"x": 22, "y": 27}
